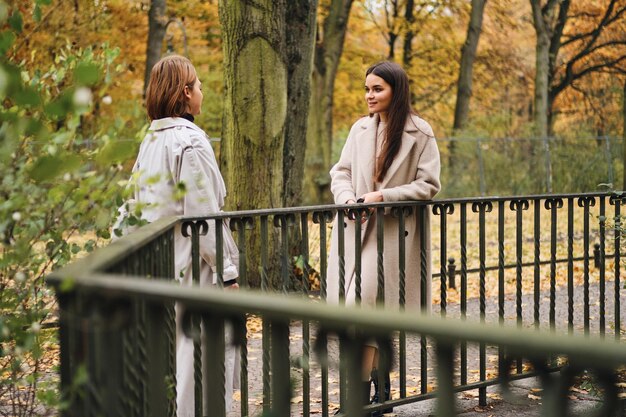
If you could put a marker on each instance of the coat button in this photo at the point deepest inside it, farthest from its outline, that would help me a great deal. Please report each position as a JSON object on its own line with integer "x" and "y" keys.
{"x": 406, "y": 233}
{"x": 345, "y": 224}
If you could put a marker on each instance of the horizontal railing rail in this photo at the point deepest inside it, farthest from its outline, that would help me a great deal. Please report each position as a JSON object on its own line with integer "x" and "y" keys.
{"x": 111, "y": 295}
{"x": 507, "y": 253}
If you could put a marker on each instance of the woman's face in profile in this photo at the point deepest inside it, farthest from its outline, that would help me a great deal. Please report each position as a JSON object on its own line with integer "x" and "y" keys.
{"x": 194, "y": 95}
{"x": 378, "y": 94}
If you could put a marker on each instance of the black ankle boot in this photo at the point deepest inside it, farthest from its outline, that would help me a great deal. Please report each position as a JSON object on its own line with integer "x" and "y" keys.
{"x": 376, "y": 398}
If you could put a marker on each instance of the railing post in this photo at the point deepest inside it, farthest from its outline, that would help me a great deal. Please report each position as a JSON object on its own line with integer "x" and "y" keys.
{"x": 596, "y": 256}
{"x": 451, "y": 273}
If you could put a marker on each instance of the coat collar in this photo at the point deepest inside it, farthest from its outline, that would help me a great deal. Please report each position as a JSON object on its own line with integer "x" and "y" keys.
{"x": 367, "y": 144}
{"x": 172, "y": 122}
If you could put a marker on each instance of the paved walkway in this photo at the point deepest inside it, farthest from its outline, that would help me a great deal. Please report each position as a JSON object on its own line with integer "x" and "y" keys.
{"x": 527, "y": 390}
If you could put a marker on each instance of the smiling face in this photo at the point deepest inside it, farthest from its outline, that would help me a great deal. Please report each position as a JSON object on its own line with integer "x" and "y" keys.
{"x": 194, "y": 96}
{"x": 378, "y": 94}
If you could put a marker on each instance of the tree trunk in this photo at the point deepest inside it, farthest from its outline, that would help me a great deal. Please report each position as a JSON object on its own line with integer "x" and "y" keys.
{"x": 407, "y": 46}
{"x": 392, "y": 46}
{"x": 255, "y": 111}
{"x": 157, "y": 22}
{"x": 300, "y": 36}
{"x": 542, "y": 70}
{"x": 468, "y": 55}
{"x": 320, "y": 121}
{"x": 267, "y": 65}
{"x": 624, "y": 137}
{"x": 542, "y": 18}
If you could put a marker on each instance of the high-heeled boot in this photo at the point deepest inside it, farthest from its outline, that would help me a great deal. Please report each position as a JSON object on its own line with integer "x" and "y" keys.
{"x": 376, "y": 398}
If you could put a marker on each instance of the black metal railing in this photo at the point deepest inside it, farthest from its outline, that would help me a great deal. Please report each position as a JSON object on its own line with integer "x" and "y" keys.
{"x": 502, "y": 265}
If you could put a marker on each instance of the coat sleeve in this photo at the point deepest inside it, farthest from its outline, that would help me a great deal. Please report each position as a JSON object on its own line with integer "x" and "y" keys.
{"x": 341, "y": 173}
{"x": 198, "y": 172}
{"x": 426, "y": 183}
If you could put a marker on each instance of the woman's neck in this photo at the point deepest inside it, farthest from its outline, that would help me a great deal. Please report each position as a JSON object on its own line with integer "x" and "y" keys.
{"x": 383, "y": 117}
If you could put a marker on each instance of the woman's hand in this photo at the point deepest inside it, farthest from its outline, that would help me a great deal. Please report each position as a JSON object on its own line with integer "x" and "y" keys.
{"x": 373, "y": 197}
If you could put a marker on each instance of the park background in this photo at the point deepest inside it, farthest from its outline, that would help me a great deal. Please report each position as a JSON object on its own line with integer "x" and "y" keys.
{"x": 536, "y": 117}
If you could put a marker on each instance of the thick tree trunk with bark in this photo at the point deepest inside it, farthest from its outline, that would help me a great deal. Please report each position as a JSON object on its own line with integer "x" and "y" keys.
{"x": 255, "y": 111}
{"x": 267, "y": 67}
{"x": 468, "y": 55}
{"x": 157, "y": 21}
{"x": 255, "y": 102}
{"x": 320, "y": 122}
{"x": 300, "y": 37}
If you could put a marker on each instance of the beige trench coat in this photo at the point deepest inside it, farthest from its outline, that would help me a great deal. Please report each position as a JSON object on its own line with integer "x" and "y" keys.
{"x": 413, "y": 175}
{"x": 174, "y": 151}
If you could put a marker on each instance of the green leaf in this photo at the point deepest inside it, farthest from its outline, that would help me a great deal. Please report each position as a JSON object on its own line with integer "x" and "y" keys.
{"x": 16, "y": 21}
{"x": 115, "y": 151}
{"x": 59, "y": 108}
{"x": 6, "y": 40}
{"x": 4, "y": 12}
{"x": 86, "y": 74}
{"x": 37, "y": 13}
{"x": 28, "y": 96}
{"x": 50, "y": 166}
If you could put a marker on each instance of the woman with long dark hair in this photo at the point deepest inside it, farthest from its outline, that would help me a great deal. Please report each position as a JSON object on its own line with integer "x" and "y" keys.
{"x": 390, "y": 155}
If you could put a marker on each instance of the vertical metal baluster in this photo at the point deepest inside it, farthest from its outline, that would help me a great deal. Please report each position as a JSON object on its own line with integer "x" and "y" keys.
{"x": 400, "y": 213}
{"x": 322, "y": 217}
{"x": 536, "y": 260}
{"x": 171, "y": 325}
{"x": 281, "y": 383}
{"x": 585, "y": 264}
{"x": 357, "y": 254}
{"x": 380, "y": 294}
{"x": 463, "y": 232}
{"x": 481, "y": 208}
{"x": 306, "y": 378}
{"x": 553, "y": 205}
{"x": 197, "y": 228}
{"x": 423, "y": 221}
{"x": 341, "y": 225}
{"x": 518, "y": 206}
{"x": 501, "y": 289}
{"x": 219, "y": 251}
{"x": 602, "y": 265}
{"x": 353, "y": 348}
{"x": 155, "y": 367}
{"x": 341, "y": 247}
{"x": 617, "y": 286}
{"x": 585, "y": 203}
{"x": 240, "y": 225}
{"x": 284, "y": 221}
{"x": 443, "y": 210}
{"x": 267, "y": 378}
{"x": 213, "y": 370}
{"x": 68, "y": 347}
{"x": 570, "y": 265}
{"x": 380, "y": 247}
{"x": 445, "y": 384}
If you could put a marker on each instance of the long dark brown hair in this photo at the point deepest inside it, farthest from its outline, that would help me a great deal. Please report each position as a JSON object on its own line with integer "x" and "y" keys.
{"x": 397, "y": 114}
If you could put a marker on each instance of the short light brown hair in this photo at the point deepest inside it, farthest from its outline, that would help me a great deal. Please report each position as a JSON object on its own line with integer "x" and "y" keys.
{"x": 165, "y": 95}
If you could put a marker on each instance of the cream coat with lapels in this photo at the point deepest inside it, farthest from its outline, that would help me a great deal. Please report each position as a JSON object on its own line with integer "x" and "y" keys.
{"x": 413, "y": 175}
{"x": 175, "y": 151}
